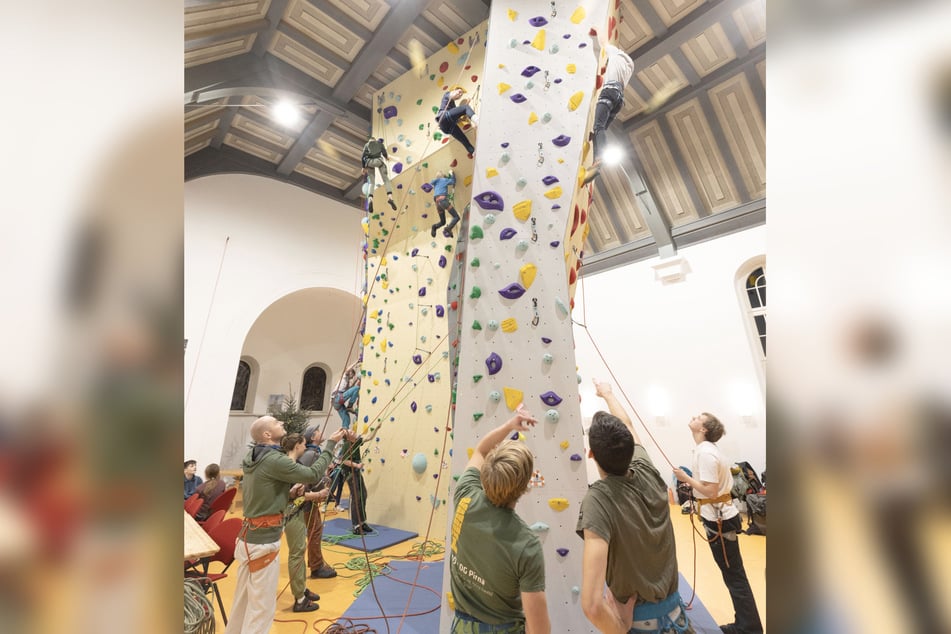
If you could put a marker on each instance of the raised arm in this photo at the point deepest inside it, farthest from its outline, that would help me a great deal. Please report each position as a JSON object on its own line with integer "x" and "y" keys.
{"x": 599, "y": 38}
{"x": 605, "y": 391}
{"x": 520, "y": 421}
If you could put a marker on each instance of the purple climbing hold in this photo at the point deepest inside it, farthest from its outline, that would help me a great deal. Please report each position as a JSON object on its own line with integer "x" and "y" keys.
{"x": 507, "y": 233}
{"x": 546, "y": 339}
{"x": 576, "y": 457}
{"x": 389, "y": 112}
{"x": 555, "y": 206}
{"x": 530, "y": 70}
{"x": 506, "y": 144}
{"x": 397, "y": 168}
{"x": 414, "y": 252}
{"x": 550, "y": 398}
{"x": 512, "y": 291}
{"x": 489, "y": 201}
{"x": 494, "y": 363}
{"x": 566, "y": 36}
{"x": 431, "y": 378}
{"x": 442, "y": 261}
{"x": 561, "y": 551}
{"x": 561, "y": 140}
{"x": 558, "y": 80}
{"x": 426, "y": 187}
{"x": 412, "y": 406}
{"x": 417, "y": 359}
{"x": 518, "y": 97}
{"x": 538, "y": 21}
{"x": 422, "y": 291}
{"x": 440, "y": 310}
{"x": 550, "y": 180}
{"x": 554, "y": 243}
{"x": 582, "y": 45}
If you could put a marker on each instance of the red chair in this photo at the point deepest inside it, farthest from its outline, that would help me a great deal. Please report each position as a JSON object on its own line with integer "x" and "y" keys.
{"x": 213, "y": 520}
{"x": 192, "y": 504}
{"x": 224, "y": 535}
{"x": 223, "y": 501}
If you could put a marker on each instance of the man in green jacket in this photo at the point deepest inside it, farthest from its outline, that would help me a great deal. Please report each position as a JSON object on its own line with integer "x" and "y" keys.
{"x": 268, "y": 474}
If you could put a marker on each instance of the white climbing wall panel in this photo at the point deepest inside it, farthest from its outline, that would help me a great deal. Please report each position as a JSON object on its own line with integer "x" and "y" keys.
{"x": 515, "y": 339}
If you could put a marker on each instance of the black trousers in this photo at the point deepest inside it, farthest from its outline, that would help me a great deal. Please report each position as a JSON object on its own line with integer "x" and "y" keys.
{"x": 449, "y": 126}
{"x": 610, "y": 100}
{"x": 746, "y": 614}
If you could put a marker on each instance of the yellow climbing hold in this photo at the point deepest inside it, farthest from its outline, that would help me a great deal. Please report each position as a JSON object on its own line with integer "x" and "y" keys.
{"x": 382, "y": 262}
{"x": 452, "y": 47}
{"x": 490, "y": 172}
{"x": 571, "y": 68}
{"x": 527, "y": 273}
{"x": 374, "y": 314}
{"x": 554, "y": 192}
{"x": 564, "y": 444}
{"x": 467, "y": 180}
{"x": 449, "y": 598}
{"x": 469, "y": 452}
{"x": 578, "y": 16}
{"x": 558, "y": 504}
{"x": 532, "y": 118}
{"x": 385, "y": 284}
{"x": 522, "y": 210}
{"x": 503, "y": 87}
{"x": 501, "y": 65}
{"x": 539, "y": 41}
{"x": 513, "y": 15}
{"x": 509, "y": 325}
{"x": 383, "y": 345}
{"x": 367, "y": 338}
{"x": 575, "y": 100}
{"x": 513, "y": 397}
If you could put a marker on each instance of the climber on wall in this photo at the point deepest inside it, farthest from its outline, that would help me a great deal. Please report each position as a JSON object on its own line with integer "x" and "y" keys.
{"x": 617, "y": 72}
{"x": 450, "y": 112}
{"x": 443, "y": 199}
{"x": 375, "y": 157}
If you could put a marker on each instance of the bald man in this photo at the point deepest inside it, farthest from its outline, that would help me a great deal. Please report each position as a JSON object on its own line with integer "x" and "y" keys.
{"x": 268, "y": 475}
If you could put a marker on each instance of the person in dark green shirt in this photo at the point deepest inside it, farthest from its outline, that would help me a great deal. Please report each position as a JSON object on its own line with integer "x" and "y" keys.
{"x": 351, "y": 470}
{"x": 628, "y": 537}
{"x": 497, "y": 569}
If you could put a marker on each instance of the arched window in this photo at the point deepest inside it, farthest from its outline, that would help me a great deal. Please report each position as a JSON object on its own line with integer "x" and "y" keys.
{"x": 313, "y": 388}
{"x": 239, "y": 398}
{"x": 751, "y": 289}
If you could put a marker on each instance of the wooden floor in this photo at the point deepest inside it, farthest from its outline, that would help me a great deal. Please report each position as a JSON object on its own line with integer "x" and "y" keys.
{"x": 338, "y": 593}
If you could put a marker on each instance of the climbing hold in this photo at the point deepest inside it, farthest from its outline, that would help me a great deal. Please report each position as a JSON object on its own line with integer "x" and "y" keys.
{"x": 527, "y": 274}
{"x": 495, "y": 396}
{"x": 494, "y": 363}
{"x": 564, "y": 444}
{"x": 522, "y": 210}
{"x": 475, "y": 233}
{"x": 417, "y": 359}
{"x": 419, "y": 463}
{"x": 550, "y": 398}
{"x": 538, "y": 21}
{"x": 561, "y": 307}
{"x": 490, "y": 172}
{"x": 578, "y": 15}
{"x": 476, "y": 293}
{"x": 505, "y": 157}
{"x": 539, "y": 41}
{"x": 440, "y": 311}
{"x": 571, "y": 69}
{"x": 539, "y": 527}
{"x": 422, "y": 291}
{"x": 489, "y": 219}
{"x": 518, "y": 97}
{"x": 389, "y": 112}
{"x": 554, "y": 192}
{"x": 503, "y": 87}
{"x": 546, "y": 117}
{"x": 521, "y": 183}
{"x": 476, "y": 378}
{"x": 512, "y": 291}
{"x": 513, "y": 397}
{"x": 507, "y": 233}
{"x": 414, "y": 252}
{"x": 412, "y": 406}
{"x": 513, "y": 14}
{"x": 552, "y": 416}
{"x": 554, "y": 243}
{"x": 477, "y": 415}
{"x": 561, "y": 140}
{"x": 558, "y": 504}
{"x": 442, "y": 261}
{"x": 550, "y": 180}
{"x": 493, "y": 325}
{"x": 489, "y": 201}
{"x": 476, "y": 325}
{"x": 574, "y": 590}
{"x": 561, "y": 551}
{"x": 509, "y": 325}
{"x": 522, "y": 245}
{"x": 553, "y": 49}
{"x": 575, "y": 457}
{"x": 429, "y": 408}
{"x": 547, "y": 358}
{"x": 431, "y": 378}
{"x": 530, "y": 70}
{"x": 397, "y": 168}
{"x": 474, "y": 263}
{"x": 575, "y": 100}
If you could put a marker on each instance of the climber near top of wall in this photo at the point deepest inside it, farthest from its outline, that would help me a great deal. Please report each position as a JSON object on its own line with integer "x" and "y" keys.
{"x": 617, "y": 72}
{"x": 375, "y": 157}
{"x": 449, "y": 114}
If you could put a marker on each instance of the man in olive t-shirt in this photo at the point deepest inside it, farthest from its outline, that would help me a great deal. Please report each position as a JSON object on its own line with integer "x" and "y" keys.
{"x": 497, "y": 569}
{"x": 628, "y": 537}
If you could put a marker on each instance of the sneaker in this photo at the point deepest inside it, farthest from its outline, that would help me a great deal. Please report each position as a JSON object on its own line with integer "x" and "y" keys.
{"x": 367, "y": 528}
{"x": 729, "y": 628}
{"x": 305, "y": 606}
{"x": 392, "y": 203}
{"x": 447, "y": 233}
{"x": 323, "y": 508}
{"x": 313, "y": 596}
{"x": 474, "y": 119}
{"x": 325, "y": 572}
{"x": 592, "y": 173}
{"x": 357, "y": 530}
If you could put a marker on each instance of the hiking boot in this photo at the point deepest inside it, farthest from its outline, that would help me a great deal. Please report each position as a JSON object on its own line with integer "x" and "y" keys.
{"x": 392, "y": 203}
{"x": 305, "y": 606}
{"x": 324, "y": 572}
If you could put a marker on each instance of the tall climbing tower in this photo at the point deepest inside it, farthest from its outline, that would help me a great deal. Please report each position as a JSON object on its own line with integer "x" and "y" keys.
{"x": 526, "y": 228}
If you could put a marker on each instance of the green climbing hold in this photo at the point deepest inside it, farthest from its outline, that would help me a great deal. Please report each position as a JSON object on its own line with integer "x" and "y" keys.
{"x": 476, "y": 232}
{"x": 474, "y": 263}
{"x": 477, "y": 415}
{"x": 476, "y": 378}
{"x": 476, "y": 325}
{"x": 419, "y": 102}
{"x": 476, "y": 293}
{"x": 435, "y": 452}
{"x": 391, "y": 326}
{"x": 437, "y": 136}
{"x": 455, "y": 478}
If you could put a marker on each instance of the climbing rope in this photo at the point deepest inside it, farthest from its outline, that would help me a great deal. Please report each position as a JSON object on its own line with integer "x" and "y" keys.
{"x": 199, "y": 615}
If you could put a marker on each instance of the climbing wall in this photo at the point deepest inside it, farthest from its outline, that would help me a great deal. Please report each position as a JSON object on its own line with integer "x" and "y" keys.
{"x": 406, "y": 389}
{"x": 526, "y": 228}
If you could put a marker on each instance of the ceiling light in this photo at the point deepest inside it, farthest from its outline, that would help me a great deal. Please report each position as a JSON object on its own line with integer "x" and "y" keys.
{"x": 612, "y": 155}
{"x": 286, "y": 113}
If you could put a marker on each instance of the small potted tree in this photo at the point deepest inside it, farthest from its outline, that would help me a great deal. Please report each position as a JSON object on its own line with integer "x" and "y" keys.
{"x": 294, "y": 418}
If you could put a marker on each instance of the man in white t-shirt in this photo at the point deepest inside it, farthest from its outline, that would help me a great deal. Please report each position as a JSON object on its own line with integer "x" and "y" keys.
{"x": 618, "y": 69}
{"x": 721, "y": 519}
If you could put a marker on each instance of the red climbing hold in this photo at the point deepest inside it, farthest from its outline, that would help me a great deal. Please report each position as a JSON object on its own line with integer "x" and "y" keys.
{"x": 572, "y": 276}
{"x": 474, "y": 79}
{"x": 454, "y": 305}
{"x": 574, "y": 221}
{"x": 454, "y": 163}
{"x": 444, "y": 67}
{"x": 598, "y": 81}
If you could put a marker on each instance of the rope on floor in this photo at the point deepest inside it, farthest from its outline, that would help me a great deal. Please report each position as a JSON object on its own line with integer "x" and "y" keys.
{"x": 369, "y": 570}
{"x": 199, "y": 615}
{"x": 427, "y": 548}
